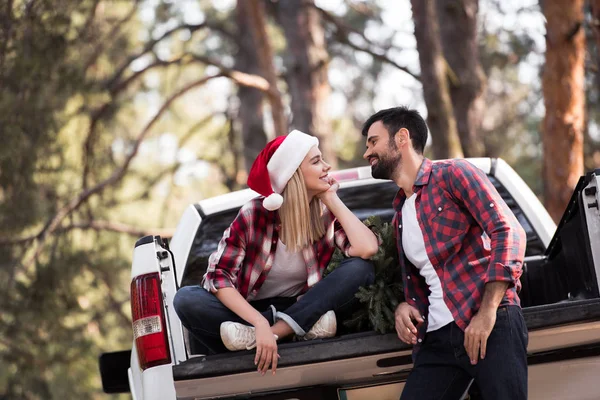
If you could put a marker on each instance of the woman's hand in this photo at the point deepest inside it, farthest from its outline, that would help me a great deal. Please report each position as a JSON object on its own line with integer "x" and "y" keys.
{"x": 331, "y": 192}
{"x": 266, "y": 349}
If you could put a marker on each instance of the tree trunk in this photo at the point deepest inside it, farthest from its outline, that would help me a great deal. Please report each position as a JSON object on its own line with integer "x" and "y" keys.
{"x": 250, "y": 112}
{"x": 440, "y": 117}
{"x": 256, "y": 9}
{"x": 591, "y": 146}
{"x": 563, "y": 86}
{"x": 306, "y": 64}
{"x": 458, "y": 29}
{"x": 595, "y": 9}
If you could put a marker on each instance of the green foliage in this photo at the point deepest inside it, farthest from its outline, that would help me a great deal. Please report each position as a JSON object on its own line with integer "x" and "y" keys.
{"x": 379, "y": 300}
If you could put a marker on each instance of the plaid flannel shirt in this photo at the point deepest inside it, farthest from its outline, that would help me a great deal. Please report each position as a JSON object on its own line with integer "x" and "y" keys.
{"x": 471, "y": 238}
{"x": 246, "y": 251}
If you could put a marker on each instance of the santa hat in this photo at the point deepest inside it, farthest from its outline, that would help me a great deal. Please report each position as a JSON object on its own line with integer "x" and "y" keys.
{"x": 276, "y": 164}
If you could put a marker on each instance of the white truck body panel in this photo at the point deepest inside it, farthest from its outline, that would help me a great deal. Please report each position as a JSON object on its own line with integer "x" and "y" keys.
{"x": 182, "y": 240}
{"x": 532, "y": 207}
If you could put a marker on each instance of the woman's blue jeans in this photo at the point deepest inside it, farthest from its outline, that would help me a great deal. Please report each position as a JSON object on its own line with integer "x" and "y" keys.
{"x": 202, "y": 313}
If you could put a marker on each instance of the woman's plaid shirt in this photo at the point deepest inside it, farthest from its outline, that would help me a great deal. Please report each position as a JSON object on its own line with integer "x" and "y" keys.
{"x": 246, "y": 251}
{"x": 471, "y": 238}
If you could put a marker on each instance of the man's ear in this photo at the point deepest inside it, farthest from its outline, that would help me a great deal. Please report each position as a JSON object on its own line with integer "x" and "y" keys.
{"x": 401, "y": 137}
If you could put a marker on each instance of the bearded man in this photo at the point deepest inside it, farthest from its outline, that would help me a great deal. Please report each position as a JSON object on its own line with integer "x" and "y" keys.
{"x": 461, "y": 253}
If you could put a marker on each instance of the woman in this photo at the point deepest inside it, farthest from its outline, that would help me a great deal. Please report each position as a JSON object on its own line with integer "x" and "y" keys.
{"x": 263, "y": 283}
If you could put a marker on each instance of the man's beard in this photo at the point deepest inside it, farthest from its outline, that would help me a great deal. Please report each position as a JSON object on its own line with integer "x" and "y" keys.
{"x": 386, "y": 166}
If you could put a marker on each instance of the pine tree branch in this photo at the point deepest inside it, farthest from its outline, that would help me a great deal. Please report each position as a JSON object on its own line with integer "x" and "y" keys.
{"x": 152, "y": 43}
{"x": 111, "y": 35}
{"x": 174, "y": 167}
{"x": 342, "y": 33}
{"x": 122, "y": 85}
{"x": 116, "y": 176}
{"x": 239, "y": 77}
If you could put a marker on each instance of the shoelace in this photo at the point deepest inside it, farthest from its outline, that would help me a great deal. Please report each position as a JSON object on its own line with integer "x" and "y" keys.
{"x": 252, "y": 344}
{"x": 246, "y": 335}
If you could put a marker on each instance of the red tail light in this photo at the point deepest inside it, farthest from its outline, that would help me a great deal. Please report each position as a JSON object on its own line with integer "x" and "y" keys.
{"x": 149, "y": 327}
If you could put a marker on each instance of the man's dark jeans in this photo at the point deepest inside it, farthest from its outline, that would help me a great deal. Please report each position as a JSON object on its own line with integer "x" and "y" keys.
{"x": 442, "y": 369}
{"x": 202, "y": 313}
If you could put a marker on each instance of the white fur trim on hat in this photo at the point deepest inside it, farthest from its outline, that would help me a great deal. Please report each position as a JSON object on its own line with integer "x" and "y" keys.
{"x": 288, "y": 157}
{"x": 273, "y": 202}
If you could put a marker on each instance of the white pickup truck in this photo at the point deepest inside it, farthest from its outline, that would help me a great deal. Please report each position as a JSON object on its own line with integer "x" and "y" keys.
{"x": 560, "y": 298}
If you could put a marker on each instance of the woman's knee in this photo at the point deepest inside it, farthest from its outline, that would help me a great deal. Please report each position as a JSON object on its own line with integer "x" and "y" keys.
{"x": 190, "y": 299}
{"x": 360, "y": 269}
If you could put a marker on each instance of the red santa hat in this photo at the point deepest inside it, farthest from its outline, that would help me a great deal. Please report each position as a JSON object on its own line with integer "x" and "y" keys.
{"x": 276, "y": 164}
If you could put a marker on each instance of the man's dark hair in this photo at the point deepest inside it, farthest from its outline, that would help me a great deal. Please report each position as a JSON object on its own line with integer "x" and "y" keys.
{"x": 401, "y": 117}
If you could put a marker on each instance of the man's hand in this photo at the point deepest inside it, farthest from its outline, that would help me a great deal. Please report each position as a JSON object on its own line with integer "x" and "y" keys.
{"x": 266, "y": 349}
{"x": 406, "y": 329}
{"x": 478, "y": 332}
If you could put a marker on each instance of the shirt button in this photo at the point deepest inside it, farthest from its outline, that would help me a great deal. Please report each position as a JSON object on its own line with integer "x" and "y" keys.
{"x": 491, "y": 204}
{"x": 413, "y": 299}
{"x": 439, "y": 208}
{"x": 408, "y": 277}
{"x": 399, "y": 226}
{"x": 419, "y": 340}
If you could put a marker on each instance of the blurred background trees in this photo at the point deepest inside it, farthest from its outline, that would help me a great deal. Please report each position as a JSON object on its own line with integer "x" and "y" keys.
{"x": 115, "y": 115}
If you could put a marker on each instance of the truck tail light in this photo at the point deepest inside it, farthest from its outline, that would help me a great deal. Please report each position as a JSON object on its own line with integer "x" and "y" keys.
{"x": 149, "y": 327}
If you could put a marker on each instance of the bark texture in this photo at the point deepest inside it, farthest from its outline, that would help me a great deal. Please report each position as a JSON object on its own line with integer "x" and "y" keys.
{"x": 306, "y": 62}
{"x": 563, "y": 87}
{"x": 256, "y": 9}
{"x": 458, "y": 29}
{"x": 440, "y": 115}
{"x": 250, "y": 114}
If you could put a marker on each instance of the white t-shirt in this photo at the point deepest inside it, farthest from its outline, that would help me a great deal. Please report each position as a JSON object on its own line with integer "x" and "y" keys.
{"x": 414, "y": 248}
{"x": 287, "y": 277}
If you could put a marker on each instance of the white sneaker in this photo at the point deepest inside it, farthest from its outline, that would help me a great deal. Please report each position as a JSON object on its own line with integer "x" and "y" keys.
{"x": 325, "y": 327}
{"x": 236, "y": 336}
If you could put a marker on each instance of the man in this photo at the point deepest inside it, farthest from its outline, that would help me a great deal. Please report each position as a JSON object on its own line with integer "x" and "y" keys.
{"x": 461, "y": 251}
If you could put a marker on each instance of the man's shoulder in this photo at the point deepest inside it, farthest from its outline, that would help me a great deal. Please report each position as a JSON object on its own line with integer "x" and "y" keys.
{"x": 453, "y": 166}
{"x": 442, "y": 165}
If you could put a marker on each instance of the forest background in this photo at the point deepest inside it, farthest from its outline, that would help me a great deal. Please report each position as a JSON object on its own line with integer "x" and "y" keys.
{"x": 117, "y": 114}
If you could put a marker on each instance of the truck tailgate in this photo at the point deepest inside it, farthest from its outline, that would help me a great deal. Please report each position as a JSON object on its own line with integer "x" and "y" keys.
{"x": 366, "y": 344}
{"x": 558, "y": 332}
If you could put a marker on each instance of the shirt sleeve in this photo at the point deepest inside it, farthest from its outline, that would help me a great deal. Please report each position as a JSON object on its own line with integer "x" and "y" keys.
{"x": 472, "y": 188}
{"x": 225, "y": 263}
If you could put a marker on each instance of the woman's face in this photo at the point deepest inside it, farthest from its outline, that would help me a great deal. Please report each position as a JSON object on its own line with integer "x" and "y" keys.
{"x": 314, "y": 170}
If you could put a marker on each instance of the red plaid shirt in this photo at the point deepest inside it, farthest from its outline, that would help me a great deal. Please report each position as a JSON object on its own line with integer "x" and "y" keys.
{"x": 245, "y": 253}
{"x": 470, "y": 235}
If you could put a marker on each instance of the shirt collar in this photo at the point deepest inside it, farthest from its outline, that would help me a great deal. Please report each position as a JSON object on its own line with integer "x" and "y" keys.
{"x": 422, "y": 179}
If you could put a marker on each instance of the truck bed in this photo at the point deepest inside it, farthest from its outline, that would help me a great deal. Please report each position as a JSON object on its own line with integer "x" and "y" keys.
{"x": 367, "y": 343}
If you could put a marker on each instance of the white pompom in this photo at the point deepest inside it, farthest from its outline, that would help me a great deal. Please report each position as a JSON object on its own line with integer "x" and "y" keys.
{"x": 273, "y": 202}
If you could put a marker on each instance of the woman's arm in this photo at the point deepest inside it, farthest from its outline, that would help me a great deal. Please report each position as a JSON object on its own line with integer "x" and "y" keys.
{"x": 363, "y": 242}
{"x": 266, "y": 342}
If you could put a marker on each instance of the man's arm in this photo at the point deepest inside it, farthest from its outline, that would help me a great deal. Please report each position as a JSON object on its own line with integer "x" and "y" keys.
{"x": 482, "y": 323}
{"x": 472, "y": 188}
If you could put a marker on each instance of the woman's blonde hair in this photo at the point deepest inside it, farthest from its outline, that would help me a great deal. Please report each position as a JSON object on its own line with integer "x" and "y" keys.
{"x": 301, "y": 222}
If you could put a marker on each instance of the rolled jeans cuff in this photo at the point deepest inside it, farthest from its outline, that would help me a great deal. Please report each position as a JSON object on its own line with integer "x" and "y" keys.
{"x": 289, "y": 320}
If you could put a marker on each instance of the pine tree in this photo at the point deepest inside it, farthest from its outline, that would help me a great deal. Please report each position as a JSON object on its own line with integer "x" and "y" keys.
{"x": 379, "y": 300}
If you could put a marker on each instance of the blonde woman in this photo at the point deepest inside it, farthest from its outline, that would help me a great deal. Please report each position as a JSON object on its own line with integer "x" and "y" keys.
{"x": 264, "y": 281}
